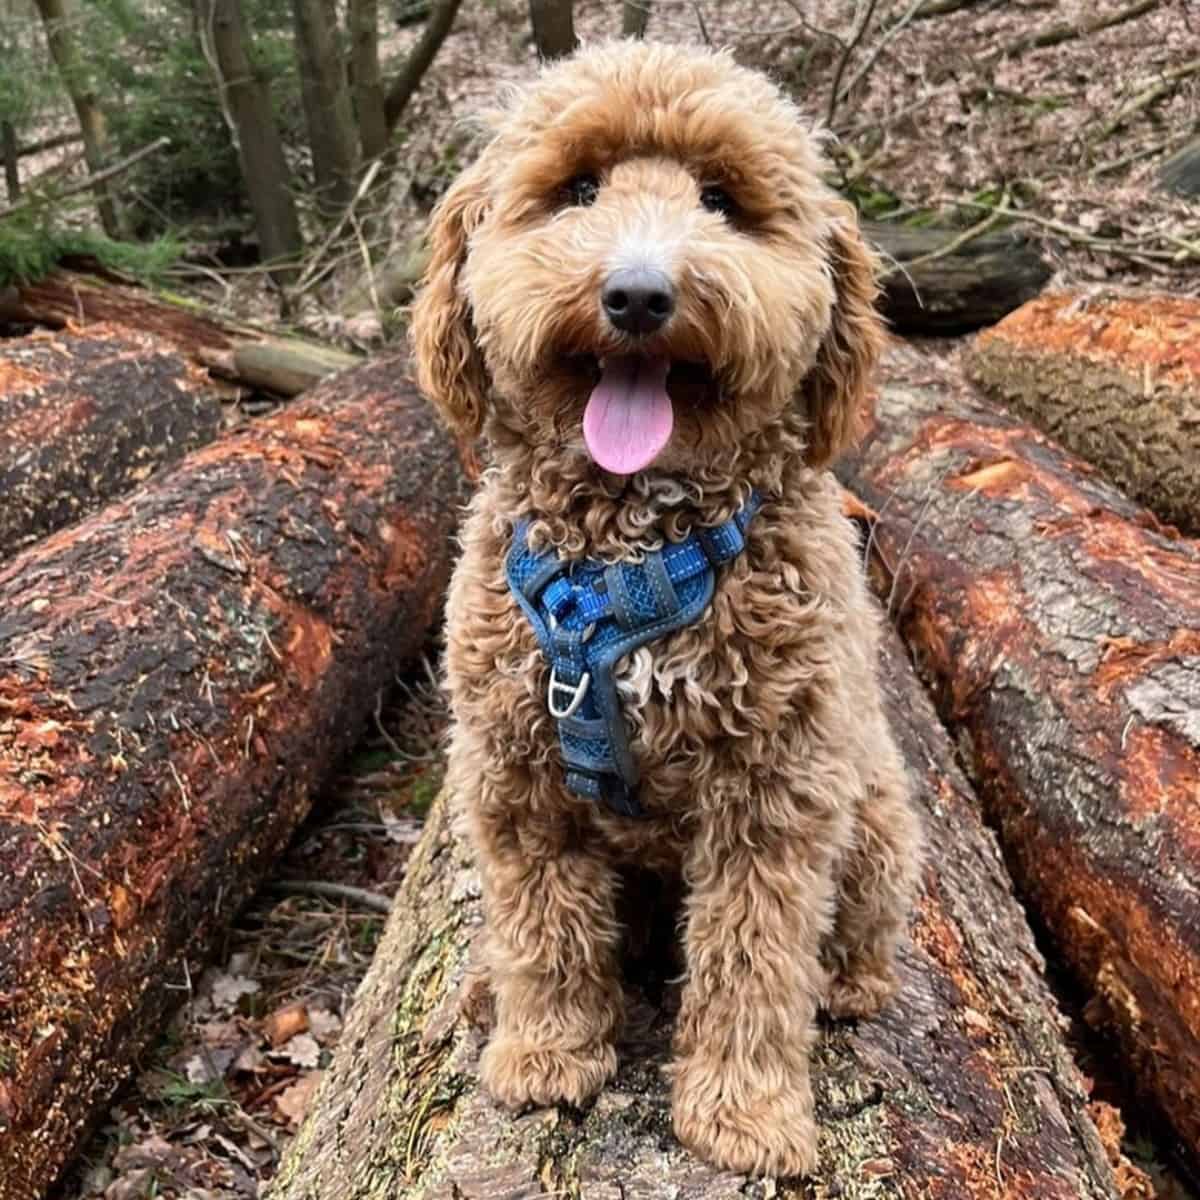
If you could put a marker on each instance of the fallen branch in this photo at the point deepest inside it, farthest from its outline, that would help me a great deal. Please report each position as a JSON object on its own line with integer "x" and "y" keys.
{"x": 178, "y": 675}
{"x": 92, "y": 181}
{"x": 1060, "y": 627}
{"x": 1055, "y": 35}
{"x": 847, "y": 51}
{"x": 324, "y": 890}
{"x": 1149, "y": 96}
{"x": 963, "y": 1087}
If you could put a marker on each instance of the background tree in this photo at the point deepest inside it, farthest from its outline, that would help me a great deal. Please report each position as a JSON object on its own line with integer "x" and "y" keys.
{"x": 634, "y": 18}
{"x": 80, "y": 86}
{"x": 247, "y": 104}
{"x": 553, "y": 24}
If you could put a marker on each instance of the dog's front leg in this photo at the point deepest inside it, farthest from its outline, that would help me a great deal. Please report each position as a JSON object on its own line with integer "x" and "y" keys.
{"x": 760, "y": 901}
{"x": 552, "y": 942}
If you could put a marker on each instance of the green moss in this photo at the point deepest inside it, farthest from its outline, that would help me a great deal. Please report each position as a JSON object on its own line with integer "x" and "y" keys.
{"x": 31, "y": 246}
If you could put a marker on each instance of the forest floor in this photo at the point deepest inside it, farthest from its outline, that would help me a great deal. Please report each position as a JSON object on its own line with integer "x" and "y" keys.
{"x": 938, "y": 118}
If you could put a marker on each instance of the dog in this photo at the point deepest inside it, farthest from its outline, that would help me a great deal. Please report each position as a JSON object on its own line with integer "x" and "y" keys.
{"x": 660, "y": 321}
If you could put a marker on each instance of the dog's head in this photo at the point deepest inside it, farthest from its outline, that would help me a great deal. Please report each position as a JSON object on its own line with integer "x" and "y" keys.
{"x": 644, "y": 262}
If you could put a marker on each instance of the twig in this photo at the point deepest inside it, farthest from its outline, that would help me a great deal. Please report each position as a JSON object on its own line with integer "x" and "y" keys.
{"x": 1144, "y": 99}
{"x": 92, "y": 181}
{"x": 849, "y": 50}
{"x": 703, "y": 27}
{"x": 364, "y": 186}
{"x": 889, "y": 34}
{"x": 967, "y": 235}
{"x": 375, "y": 901}
{"x": 1142, "y": 152}
{"x": 1057, "y": 34}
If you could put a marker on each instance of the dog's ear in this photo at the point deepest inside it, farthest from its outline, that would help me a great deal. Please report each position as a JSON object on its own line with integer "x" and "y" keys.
{"x": 450, "y": 368}
{"x": 834, "y": 392}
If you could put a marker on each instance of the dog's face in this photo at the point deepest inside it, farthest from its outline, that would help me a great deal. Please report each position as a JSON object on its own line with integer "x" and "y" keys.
{"x": 645, "y": 266}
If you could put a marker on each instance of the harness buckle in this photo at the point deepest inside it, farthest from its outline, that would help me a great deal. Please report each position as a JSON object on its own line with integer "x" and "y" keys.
{"x": 577, "y": 692}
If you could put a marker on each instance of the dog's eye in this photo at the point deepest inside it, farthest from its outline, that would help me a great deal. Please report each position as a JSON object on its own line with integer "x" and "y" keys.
{"x": 717, "y": 200}
{"x": 582, "y": 190}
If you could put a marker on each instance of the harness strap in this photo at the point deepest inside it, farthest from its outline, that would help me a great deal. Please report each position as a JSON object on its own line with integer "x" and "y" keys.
{"x": 588, "y": 614}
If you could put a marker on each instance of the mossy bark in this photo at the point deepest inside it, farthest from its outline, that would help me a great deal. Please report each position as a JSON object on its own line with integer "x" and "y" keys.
{"x": 89, "y": 415}
{"x": 178, "y": 674}
{"x": 961, "y": 1090}
{"x": 1116, "y": 380}
{"x": 1060, "y": 625}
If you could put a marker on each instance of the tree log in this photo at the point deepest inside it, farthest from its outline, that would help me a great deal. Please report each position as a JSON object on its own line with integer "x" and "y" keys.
{"x": 1116, "y": 380}
{"x": 1181, "y": 172}
{"x": 1060, "y": 626}
{"x": 87, "y": 416}
{"x": 973, "y": 285}
{"x": 232, "y": 349}
{"x": 962, "y": 1089}
{"x": 178, "y": 674}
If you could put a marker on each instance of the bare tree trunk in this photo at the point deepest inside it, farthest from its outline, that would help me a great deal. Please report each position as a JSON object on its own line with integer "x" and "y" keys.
{"x": 1061, "y": 630}
{"x": 178, "y": 674}
{"x": 553, "y": 24}
{"x": 962, "y": 1088}
{"x": 1116, "y": 380}
{"x": 247, "y": 106}
{"x": 634, "y": 18}
{"x": 64, "y": 49}
{"x": 12, "y": 171}
{"x": 326, "y": 98}
{"x": 402, "y": 87}
{"x": 368, "y": 79}
{"x": 88, "y": 415}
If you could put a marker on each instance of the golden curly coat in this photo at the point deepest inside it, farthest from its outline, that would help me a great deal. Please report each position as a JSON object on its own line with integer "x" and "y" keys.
{"x": 770, "y": 778}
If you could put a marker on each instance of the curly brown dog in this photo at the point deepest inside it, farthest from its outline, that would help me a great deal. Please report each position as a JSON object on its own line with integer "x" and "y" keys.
{"x": 645, "y": 298}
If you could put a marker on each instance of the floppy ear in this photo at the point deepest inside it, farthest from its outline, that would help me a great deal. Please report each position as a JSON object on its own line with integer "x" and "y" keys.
{"x": 450, "y": 369}
{"x": 834, "y": 392}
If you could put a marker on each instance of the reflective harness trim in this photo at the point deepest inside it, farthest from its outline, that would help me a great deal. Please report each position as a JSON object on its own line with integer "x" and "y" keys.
{"x": 588, "y": 614}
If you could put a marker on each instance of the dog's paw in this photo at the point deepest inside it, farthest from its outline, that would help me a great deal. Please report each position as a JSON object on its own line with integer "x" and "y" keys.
{"x": 517, "y": 1073}
{"x": 860, "y": 994}
{"x": 774, "y": 1136}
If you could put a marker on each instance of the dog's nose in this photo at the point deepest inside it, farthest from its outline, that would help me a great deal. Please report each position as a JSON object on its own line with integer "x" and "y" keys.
{"x": 638, "y": 300}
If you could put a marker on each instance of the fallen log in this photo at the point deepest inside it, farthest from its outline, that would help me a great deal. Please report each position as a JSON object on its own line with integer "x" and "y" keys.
{"x": 178, "y": 674}
{"x": 933, "y": 290}
{"x": 1060, "y": 627}
{"x": 1181, "y": 172}
{"x": 87, "y": 416}
{"x": 962, "y": 1089}
{"x": 1116, "y": 380}
{"x": 233, "y": 349}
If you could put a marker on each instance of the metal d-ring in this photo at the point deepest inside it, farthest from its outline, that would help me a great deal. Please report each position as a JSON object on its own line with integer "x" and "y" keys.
{"x": 577, "y": 692}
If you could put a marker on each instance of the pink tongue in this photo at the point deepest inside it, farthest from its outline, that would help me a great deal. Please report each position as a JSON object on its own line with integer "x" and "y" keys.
{"x": 628, "y": 419}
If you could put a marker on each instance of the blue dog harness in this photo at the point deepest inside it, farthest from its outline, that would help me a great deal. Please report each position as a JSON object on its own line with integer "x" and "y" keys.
{"x": 588, "y": 614}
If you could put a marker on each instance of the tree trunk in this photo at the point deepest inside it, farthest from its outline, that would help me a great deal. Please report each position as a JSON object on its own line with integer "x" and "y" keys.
{"x": 64, "y": 50}
{"x": 332, "y": 137}
{"x": 88, "y": 416}
{"x": 247, "y": 105}
{"x": 408, "y": 79}
{"x": 963, "y": 1088}
{"x": 1061, "y": 628}
{"x": 553, "y": 24}
{"x": 178, "y": 674}
{"x": 11, "y": 155}
{"x": 634, "y": 16}
{"x": 368, "y": 81}
{"x": 1115, "y": 380}
{"x": 285, "y": 366}
{"x": 974, "y": 285}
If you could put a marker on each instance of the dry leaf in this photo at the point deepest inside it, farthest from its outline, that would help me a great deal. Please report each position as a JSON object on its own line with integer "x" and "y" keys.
{"x": 285, "y": 1023}
{"x": 292, "y": 1103}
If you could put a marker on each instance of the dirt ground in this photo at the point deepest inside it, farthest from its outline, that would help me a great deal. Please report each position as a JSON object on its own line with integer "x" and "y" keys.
{"x": 942, "y": 112}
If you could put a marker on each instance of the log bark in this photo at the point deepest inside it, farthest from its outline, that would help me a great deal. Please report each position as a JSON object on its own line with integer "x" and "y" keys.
{"x": 234, "y": 350}
{"x": 962, "y": 1089}
{"x": 1116, "y": 380}
{"x": 1060, "y": 626}
{"x": 87, "y": 416}
{"x": 178, "y": 674}
{"x": 975, "y": 285}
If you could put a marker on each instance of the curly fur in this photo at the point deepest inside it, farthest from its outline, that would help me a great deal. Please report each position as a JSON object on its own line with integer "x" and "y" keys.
{"x": 771, "y": 780}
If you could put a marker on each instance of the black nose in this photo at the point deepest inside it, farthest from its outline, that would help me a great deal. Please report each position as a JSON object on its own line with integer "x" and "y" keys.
{"x": 638, "y": 300}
